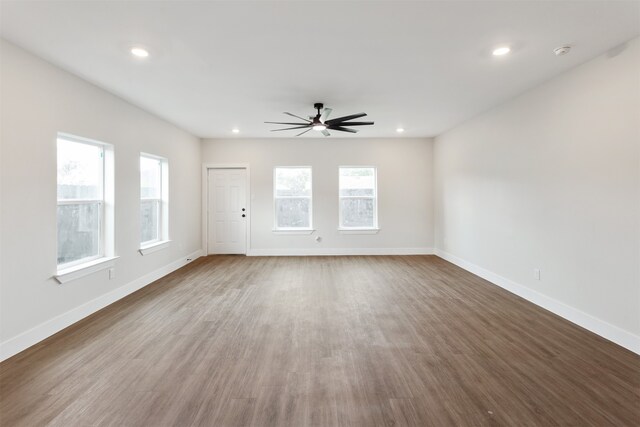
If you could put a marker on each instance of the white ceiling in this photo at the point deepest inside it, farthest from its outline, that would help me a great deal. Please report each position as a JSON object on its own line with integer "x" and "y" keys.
{"x": 425, "y": 66}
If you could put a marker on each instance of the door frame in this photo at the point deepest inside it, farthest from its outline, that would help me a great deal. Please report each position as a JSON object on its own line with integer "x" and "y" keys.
{"x": 205, "y": 201}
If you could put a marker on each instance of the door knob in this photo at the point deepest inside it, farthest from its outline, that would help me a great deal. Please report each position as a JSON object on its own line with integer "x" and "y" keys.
{"x": 243, "y": 209}
{"x": 243, "y": 215}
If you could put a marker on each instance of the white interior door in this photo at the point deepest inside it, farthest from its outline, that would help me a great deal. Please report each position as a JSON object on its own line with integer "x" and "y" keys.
{"x": 227, "y": 211}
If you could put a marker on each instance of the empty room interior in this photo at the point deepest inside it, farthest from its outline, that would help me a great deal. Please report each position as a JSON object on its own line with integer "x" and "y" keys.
{"x": 319, "y": 213}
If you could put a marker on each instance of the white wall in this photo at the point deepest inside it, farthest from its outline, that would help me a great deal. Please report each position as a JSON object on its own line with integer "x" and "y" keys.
{"x": 404, "y": 191}
{"x": 551, "y": 180}
{"x": 38, "y": 100}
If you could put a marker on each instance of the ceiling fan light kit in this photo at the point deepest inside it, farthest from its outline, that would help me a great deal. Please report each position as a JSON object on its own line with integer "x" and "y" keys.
{"x": 321, "y": 122}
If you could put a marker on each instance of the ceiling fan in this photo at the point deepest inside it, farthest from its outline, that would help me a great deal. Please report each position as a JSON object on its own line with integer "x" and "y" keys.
{"x": 321, "y": 122}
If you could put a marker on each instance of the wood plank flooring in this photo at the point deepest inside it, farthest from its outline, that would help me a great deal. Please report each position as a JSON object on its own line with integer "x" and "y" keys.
{"x": 322, "y": 341}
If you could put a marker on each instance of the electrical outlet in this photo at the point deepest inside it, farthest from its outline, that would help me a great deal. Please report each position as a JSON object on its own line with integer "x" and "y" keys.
{"x": 112, "y": 273}
{"x": 536, "y": 273}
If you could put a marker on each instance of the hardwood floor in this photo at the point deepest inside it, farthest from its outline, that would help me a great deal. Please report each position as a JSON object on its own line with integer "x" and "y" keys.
{"x": 326, "y": 341}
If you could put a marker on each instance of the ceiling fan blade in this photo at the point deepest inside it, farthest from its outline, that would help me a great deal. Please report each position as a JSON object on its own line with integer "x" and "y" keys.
{"x": 302, "y": 133}
{"x": 342, "y": 119}
{"x": 355, "y": 124}
{"x": 341, "y": 129}
{"x": 326, "y": 132}
{"x": 297, "y": 117}
{"x": 325, "y": 114}
{"x": 297, "y": 127}
{"x": 286, "y": 123}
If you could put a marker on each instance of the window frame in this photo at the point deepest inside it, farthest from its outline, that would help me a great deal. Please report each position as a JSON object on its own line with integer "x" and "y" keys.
{"x": 102, "y": 203}
{"x": 106, "y": 255}
{"x": 292, "y": 230}
{"x": 359, "y": 230}
{"x": 162, "y": 241}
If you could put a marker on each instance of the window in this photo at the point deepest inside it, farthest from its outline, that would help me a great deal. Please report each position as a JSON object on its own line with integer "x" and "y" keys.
{"x": 82, "y": 209}
{"x": 153, "y": 200}
{"x": 358, "y": 198}
{"x": 292, "y": 198}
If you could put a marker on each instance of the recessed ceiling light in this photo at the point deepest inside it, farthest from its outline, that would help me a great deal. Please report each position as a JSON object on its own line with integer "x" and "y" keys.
{"x": 400, "y": 130}
{"x": 235, "y": 130}
{"x": 502, "y": 50}
{"x": 139, "y": 52}
{"x": 562, "y": 50}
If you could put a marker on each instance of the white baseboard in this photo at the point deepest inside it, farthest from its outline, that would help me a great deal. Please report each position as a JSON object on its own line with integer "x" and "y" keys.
{"x": 600, "y": 327}
{"x": 34, "y": 335}
{"x": 339, "y": 251}
{"x": 606, "y": 330}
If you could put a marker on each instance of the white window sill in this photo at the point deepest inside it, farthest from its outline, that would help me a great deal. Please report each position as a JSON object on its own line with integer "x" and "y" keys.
{"x": 358, "y": 230}
{"x": 293, "y": 232}
{"x": 154, "y": 247}
{"x": 78, "y": 271}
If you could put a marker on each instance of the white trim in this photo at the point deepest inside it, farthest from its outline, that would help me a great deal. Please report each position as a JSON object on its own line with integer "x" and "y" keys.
{"x": 284, "y": 231}
{"x": 153, "y": 156}
{"x": 205, "y": 199}
{"x": 339, "y": 251}
{"x": 79, "y": 139}
{"x": 79, "y": 263}
{"x": 154, "y": 247}
{"x": 84, "y": 269}
{"x": 597, "y": 326}
{"x": 109, "y": 210}
{"x": 358, "y": 230}
{"x": 44, "y": 330}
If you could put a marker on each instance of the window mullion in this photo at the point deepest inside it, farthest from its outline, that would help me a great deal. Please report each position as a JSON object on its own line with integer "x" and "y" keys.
{"x": 79, "y": 201}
